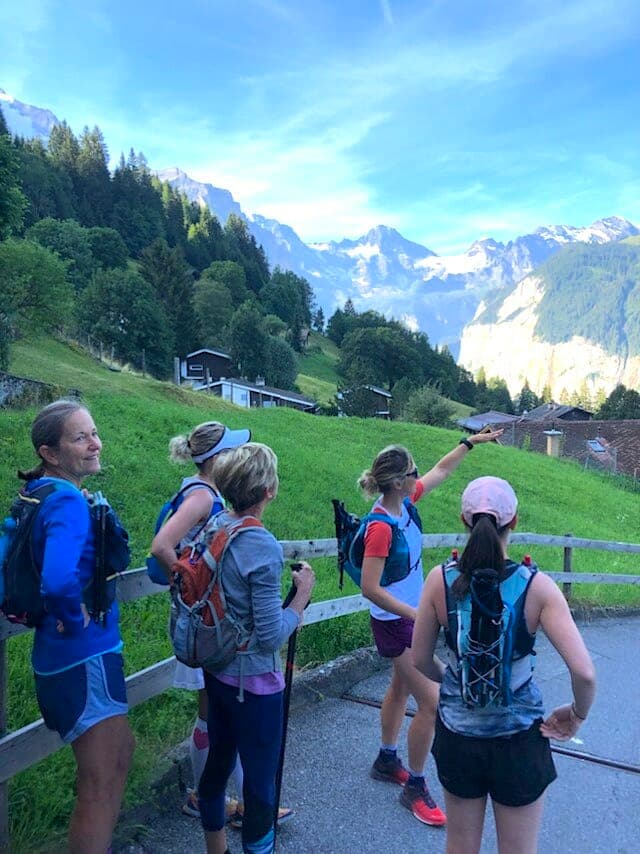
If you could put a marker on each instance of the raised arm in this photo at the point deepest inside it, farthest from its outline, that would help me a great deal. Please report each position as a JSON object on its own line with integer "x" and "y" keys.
{"x": 450, "y": 462}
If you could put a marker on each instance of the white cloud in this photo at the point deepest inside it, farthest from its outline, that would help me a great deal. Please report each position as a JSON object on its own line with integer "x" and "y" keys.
{"x": 387, "y": 14}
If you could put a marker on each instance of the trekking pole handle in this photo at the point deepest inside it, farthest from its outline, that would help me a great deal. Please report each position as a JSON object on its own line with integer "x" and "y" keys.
{"x": 293, "y": 589}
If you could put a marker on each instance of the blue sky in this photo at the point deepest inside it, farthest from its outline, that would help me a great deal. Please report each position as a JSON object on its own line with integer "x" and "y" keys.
{"x": 449, "y": 121}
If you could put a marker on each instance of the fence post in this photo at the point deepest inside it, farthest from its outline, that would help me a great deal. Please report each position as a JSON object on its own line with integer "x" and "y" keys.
{"x": 566, "y": 567}
{"x": 4, "y": 787}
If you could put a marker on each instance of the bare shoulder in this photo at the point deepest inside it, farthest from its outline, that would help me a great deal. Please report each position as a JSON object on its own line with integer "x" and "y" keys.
{"x": 542, "y": 582}
{"x": 434, "y": 581}
{"x": 434, "y": 593}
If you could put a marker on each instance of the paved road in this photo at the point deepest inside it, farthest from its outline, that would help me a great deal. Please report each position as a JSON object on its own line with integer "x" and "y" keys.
{"x": 591, "y": 808}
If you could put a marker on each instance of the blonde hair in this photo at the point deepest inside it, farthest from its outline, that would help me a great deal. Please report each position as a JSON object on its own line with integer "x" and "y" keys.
{"x": 245, "y": 474}
{"x": 201, "y": 439}
{"x": 391, "y": 463}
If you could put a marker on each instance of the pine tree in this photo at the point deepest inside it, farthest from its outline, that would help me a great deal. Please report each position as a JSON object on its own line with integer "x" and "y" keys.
{"x": 164, "y": 269}
{"x": 205, "y": 240}
{"x": 13, "y": 203}
{"x": 242, "y": 247}
{"x": 94, "y": 180}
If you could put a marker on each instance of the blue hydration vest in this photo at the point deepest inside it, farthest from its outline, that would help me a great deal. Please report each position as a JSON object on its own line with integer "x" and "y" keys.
{"x": 490, "y": 647}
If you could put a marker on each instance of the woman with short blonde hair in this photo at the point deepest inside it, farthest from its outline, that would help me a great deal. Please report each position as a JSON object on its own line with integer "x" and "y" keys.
{"x": 245, "y": 698}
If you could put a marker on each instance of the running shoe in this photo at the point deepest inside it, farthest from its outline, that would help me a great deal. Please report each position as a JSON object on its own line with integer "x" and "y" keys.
{"x": 192, "y": 806}
{"x": 235, "y": 820}
{"x": 422, "y": 805}
{"x": 390, "y": 770}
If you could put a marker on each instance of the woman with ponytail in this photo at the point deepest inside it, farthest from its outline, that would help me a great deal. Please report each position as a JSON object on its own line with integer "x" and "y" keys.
{"x": 492, "y": 739}
{"x": 200, "y": 501}
{"x": 392, "y": 580}
{"x": 77, "y": 650}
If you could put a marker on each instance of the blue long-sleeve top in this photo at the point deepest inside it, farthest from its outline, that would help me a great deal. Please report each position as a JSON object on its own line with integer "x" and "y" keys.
{"x": 64, "y": 546}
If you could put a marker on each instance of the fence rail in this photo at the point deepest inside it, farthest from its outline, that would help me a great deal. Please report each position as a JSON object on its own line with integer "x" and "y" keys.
{"x": 21, "y": 749}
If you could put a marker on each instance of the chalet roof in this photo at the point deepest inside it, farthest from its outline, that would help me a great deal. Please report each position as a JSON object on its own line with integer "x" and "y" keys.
{"x": 271, "y": 391}
{"x": 209, "y": 350}
{"x": 551, "y": 410}
{"x": 474, "y": 423}
{"x": 372, "y": 388}
{"x": 600, "y": 441}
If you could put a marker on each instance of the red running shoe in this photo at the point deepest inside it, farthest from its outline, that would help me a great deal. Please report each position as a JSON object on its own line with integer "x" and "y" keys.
{"x": 422, "y": 805}
{"x": 389, "y": 770}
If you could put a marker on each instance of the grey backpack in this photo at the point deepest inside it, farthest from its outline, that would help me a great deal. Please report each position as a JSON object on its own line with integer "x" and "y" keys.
{"x": 203, "y": 630}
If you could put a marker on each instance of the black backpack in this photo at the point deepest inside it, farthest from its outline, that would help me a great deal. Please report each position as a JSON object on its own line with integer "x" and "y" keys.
{"x": 20, "y": 599}
{"x": 20, "y": 577}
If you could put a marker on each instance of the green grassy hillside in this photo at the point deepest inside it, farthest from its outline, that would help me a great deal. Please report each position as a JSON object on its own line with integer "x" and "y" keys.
{"x": 320, "y": 458}
{"x": 318, "y": 376}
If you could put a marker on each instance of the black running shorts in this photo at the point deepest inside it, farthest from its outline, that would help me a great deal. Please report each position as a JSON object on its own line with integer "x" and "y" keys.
{"x": 515, "y": 769}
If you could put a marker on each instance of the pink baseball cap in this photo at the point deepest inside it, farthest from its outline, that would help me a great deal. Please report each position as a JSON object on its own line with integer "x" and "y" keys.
{"x": 489, "y": 495}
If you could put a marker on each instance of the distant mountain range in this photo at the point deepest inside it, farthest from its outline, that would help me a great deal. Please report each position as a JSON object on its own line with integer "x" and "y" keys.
{"x": 380, "y": 270}
{"x": 573, "y": 322}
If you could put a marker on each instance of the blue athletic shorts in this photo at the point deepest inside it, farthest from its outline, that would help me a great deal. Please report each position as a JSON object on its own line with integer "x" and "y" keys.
{"x": 78, "y": 698}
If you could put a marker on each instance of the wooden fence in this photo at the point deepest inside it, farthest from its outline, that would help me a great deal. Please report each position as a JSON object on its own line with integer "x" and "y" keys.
{"x": 21, "y": 749}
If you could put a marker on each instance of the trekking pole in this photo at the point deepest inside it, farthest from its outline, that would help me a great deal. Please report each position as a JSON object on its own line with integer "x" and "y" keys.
{"x": 338, "y": 510}
{"x": 99, "y": 577}
{"x": 286, "y": 702}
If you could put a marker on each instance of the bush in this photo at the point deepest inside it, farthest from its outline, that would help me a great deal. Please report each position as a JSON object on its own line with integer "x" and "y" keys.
{"x": 427, "y": 406}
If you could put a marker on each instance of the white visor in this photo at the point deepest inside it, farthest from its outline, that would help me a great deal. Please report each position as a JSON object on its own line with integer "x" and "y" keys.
{"x": 229, "y": 439}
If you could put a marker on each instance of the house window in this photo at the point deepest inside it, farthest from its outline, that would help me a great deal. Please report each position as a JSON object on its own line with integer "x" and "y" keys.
{"x": 196, "y": 368}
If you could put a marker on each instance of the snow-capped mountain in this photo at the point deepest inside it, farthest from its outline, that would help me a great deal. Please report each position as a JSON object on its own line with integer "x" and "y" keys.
{"x": 382, "y": 270}
{"x": 534, "y": 333}
{"x": 221, "y": 202}
{"x": 25, "y": 120}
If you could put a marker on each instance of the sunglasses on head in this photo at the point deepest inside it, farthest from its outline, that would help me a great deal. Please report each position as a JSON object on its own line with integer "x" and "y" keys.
{"x": 412, "y": 473}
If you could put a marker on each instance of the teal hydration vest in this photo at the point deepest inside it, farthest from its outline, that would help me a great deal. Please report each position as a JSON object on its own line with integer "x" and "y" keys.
{"x": 490, "y": 648}
{"x": 350, "y": 534}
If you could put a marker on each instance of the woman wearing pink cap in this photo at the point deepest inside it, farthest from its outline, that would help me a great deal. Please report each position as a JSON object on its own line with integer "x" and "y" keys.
{"x": 491, "y": 737}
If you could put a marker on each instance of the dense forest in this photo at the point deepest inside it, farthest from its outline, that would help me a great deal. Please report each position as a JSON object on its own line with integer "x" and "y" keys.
{"x": 121, "y": 258}
{"x": 593, "y": 291}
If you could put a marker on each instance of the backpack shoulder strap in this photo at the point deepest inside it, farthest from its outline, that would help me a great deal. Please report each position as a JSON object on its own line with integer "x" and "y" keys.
{"x": 177, "y": 499}
{"x": 39, "y": 494}
{"x": 412, "y": 510}
{"x": 224, "y": 536}
{"x": 378, "y": 517}
{"x": 450, "y": 572}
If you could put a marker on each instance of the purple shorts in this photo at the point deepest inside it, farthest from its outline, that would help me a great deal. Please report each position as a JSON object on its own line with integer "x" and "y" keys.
{"x": 392, "y": 637}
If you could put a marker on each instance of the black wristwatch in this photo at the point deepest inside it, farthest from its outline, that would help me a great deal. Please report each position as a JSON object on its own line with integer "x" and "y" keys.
{"x": 466, "y": 442}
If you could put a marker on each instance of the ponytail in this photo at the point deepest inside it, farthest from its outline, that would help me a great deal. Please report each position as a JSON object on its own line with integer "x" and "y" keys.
{"x": 483, "y": 551}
